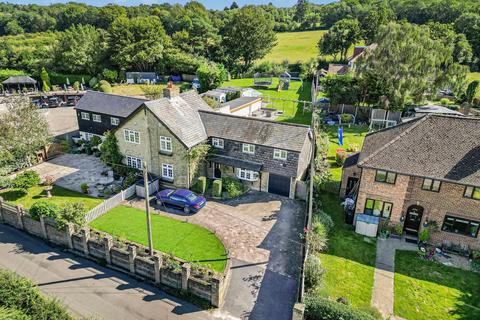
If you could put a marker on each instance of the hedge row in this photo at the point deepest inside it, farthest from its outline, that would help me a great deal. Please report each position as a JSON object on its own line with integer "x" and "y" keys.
{"x": 7, "y": 73}
{"x": 60, "y": 78}
{"x": 317, "y": 308}
{"x": 17, "y": 293}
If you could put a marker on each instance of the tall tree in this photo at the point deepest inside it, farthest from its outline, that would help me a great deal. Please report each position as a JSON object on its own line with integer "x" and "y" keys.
{"x": 79, "y": 50}
{"x": 108, "y": 14}
{"x": 248, "y": 36}
{"x": 137, "y": 43}
{"x": 409, "y": 64}
{"x": 374, "y": 18}
{"x": 301, "y": 10}
{"x": 341, "y": 36}
{"x": 23, "y": 131}
{"x": 469, "y": 25}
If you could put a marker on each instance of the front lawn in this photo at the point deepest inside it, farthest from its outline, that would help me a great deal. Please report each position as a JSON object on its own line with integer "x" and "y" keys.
{"x": 351, "y": 136}
{"x": 349, "y": 261}
{"x": 59, "y": 196}
{"x": 184, "y": 240}
{"x": 427, "y": 290}
{"x": 292, "y": 111}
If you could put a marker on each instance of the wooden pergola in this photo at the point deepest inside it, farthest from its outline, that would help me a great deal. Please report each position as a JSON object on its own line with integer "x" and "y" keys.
{"x": 20, "y": 81}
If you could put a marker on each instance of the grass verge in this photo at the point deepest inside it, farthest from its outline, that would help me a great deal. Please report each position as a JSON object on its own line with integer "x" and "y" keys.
{"x": 184, "y": 240}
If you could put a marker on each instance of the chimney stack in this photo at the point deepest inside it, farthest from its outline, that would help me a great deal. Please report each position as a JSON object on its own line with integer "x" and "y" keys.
{"x": 171, "y": 91}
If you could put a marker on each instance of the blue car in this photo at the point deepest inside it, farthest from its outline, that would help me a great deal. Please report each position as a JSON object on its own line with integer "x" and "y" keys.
{"x": 183, "y": 199}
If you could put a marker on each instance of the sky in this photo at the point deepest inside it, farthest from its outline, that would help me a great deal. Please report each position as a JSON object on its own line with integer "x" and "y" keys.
{"x": 210, "y": 4}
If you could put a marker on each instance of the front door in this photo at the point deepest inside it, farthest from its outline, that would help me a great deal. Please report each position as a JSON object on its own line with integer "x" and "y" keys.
{"x": 217, "y": 173}
{"x": 413, "y": 219}
{"x": 351, "y": 182}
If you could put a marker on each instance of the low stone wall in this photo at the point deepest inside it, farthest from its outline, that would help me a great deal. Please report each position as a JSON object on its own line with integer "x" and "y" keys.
{"x": 101, "y": 248}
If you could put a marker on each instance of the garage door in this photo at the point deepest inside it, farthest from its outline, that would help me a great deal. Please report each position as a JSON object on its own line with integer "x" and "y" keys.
{"x": 279, "y": 185}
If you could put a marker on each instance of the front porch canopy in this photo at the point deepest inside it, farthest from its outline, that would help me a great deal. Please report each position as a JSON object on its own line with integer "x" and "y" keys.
{"x": 235, "y": 162}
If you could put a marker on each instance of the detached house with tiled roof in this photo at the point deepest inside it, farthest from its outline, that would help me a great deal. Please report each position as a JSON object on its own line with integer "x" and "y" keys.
{"x": 424, "y": 170}
{"x": 267, "y": 156}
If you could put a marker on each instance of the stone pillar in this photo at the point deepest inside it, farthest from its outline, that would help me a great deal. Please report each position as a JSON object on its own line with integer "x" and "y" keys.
{"x": 216, "y": 294}
{"x": 44, "y": 228}
{"x": 298, "y": 311}
{"x": 185, "y": 275}
{"x": 69, "y": 231}
{"x": 132, "y": 253}
{"x": 85, "y": 232}
{"x": 158, "y": 259}
{"x": 1, "y": 210}
{"x": 20, "y": 213}
{"x": 107, "y": 244}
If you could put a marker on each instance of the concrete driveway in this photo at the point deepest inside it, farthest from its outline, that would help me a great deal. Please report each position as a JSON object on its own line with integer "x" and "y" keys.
{"x": 71, "y": 170}
{"x": 262, "y": 234}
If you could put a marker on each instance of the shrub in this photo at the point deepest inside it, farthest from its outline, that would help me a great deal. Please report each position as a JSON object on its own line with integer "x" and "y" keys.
{"x": 12, "y": 314}
{"x": 340, "y": 157}
{"x": 352, "y": 148}
{"x": 424, "y": 235}
{"x": 398, "y": 229}
{"x": 234, "y": 187}
{"x": 5, "y": 182}
{"x": 318, "y": 308}
{"x": 217, "y": 188}
{"x": 444, "y": 102}
{"x": 26, "y": 180}
{"x": 317, "y": 237}
{"x": 212, "y": 103}
{"x": 104, "y": 86}
{"x": 346, "y": 118}
{"x": 65, "y": 146}
{"x": 313, "y": 272}
{"x": 130, "y": 180}
{"x": 76, "y": 85}
{"x": 71, "y": 213}
{"x": 95, "y": 141}
{"x": 93, "y": 82}
{"x": 110, "y": 75}
{"x": 324, "y": 219}
{"x": 21, "y": 294}
{"x": 43, "y": 208}
{"x": 84, "y": 187}
{"x": 201, "y": 185}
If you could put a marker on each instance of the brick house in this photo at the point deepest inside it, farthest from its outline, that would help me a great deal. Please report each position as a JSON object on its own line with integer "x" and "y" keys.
{"x": 266, "y": 155}
{"x": 424, "y": 170}
{"x": 99, "y": 112}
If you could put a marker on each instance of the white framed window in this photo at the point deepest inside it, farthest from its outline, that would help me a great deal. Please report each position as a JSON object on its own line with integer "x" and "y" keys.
{"x": 167, "y": 172}
{"x": 217, "y": 143}
{"x": 248, "y": 175}
{"x": 114, "y": 121}
{"x": 132, "y": 136}
{"x": 280, "y": 154}
{"x": 166, "y": 144}
{"x": 134, "y": 162}
{"x": 85, "y": 116}
{"x": 96, "y": 118}
{"x": 248, "y": 148}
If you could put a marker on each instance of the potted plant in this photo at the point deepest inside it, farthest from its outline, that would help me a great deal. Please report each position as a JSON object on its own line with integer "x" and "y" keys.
{"x": 397, "y": 231}
{"x": 84, "y": 187}
{"x": 424, "y": 236}
{"x": 48, "y": 183}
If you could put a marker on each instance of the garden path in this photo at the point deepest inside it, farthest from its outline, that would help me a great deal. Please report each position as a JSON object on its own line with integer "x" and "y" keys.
{"x": 383, "y": 281}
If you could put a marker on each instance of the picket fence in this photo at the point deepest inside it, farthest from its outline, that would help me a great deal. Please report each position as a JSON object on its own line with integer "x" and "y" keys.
{"x": 109, "y": 204}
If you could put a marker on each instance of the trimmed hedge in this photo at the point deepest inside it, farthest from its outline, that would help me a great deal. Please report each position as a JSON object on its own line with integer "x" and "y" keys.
{"x": 201, "y": 185}
{"x": 234, "y": 187}
{"x": 21, "y": 294}
{"x": 217, "y": 188}
{"x": 61, "y": 78}
{"x": 43, "y": 208}
{"x": 7, "y": 73}
{"x": 317, "y": 308}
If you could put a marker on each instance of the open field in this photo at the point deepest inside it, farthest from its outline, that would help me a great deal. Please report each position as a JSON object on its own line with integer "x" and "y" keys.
{"x": 184, "y": 240}
{"x": 59, "y": 196}
{"x": 427, "y": 290}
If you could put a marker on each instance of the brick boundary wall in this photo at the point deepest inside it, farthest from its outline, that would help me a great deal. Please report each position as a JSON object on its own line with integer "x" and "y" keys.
{"x": 102, "y": 249}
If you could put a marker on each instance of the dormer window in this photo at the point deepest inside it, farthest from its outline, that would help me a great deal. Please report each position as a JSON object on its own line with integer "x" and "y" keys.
{"x": 217, "y": 143}
{"x": 248, "y": 148}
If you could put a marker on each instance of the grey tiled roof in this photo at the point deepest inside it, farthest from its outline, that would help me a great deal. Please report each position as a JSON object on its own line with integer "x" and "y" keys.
{"x": 351, "y": 160}
{"x": 255, "y": 131}
{"x": 180, "y": 115}
{"x": 435, "y": 146}
{"x": 236, "y": 103}
{"x": 110, "y": 104}
{"x": 19, "y": 80}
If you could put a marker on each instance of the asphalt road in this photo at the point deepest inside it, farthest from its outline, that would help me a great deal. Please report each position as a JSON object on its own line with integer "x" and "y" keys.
{"x": 86, "y": 288}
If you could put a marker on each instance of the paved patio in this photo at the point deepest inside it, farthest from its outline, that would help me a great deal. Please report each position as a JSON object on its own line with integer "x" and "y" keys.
{"x": 71, "y": 170}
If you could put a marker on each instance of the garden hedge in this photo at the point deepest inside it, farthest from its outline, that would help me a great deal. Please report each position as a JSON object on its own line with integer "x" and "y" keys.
{"x": 317, "y": 308}
{"x": 61, "y": 78}
{"x": 217, "y": 188}
{"x": 201, "y": 185}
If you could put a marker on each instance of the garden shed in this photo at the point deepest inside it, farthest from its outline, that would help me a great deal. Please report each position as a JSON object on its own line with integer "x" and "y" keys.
{"x": 142, "y": 77}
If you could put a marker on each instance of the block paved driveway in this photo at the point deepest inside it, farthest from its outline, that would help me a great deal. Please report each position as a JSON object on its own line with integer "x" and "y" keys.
{"x": 262, "y": 233}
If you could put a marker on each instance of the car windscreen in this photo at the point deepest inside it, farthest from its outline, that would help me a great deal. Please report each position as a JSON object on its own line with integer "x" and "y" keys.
{"x": 192, "y": 197}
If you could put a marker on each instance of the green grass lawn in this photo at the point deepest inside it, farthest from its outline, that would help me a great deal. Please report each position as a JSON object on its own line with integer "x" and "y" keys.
{"x": 427, "y": 290}
{"x": 351, "y": 136}
{"x": 59, "y": 195}
{"x": 349, "y": 261}
{"x": 184, "y": 240}
{"x": 295, "y": 46}
{"x": 292, "y": 111}
{"x": 472, "y": 76}
{"x": 135, "y": 90}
